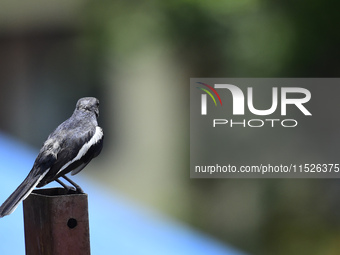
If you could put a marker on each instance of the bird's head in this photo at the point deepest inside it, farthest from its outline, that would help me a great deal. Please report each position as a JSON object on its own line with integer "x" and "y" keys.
{"x": 90, "y": 104}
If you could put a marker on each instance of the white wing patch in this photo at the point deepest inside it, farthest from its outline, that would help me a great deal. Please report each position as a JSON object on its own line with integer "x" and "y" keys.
{"x": 95, "y": 138}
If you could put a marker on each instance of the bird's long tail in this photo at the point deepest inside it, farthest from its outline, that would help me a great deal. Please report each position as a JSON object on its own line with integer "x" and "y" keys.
{"x": 21, "y": 192}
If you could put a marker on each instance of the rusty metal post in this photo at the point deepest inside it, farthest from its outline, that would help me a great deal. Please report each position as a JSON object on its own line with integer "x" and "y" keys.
{"x": 56, "y": 223}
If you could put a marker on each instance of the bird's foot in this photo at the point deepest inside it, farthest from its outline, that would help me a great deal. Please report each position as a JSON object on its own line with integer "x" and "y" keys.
{"x": 78, "y": 189}
{"x": 73, "y": 190}
{"x": 68, "y": 189}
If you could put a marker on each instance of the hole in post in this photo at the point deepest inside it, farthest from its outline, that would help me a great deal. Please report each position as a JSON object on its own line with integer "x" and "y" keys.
{"x": 72, "y": 223}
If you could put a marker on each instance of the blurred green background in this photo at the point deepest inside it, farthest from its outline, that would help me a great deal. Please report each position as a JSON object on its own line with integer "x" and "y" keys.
{"x": 137, "y": 58}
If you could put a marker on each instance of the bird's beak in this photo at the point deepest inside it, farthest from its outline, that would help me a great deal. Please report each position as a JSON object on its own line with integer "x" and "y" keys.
{"x": 97, "y": 112}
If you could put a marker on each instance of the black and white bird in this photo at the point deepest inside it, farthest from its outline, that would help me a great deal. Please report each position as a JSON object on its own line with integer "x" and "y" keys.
{"x": 69, "y": 148}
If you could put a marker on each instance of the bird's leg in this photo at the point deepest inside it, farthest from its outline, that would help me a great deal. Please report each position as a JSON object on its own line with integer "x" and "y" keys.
{"x": 78, "y": 188}
{"x": 68, "y": 188}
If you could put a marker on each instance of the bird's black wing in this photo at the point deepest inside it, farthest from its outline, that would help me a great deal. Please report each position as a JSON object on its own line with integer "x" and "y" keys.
{"x": 76, "y": 149}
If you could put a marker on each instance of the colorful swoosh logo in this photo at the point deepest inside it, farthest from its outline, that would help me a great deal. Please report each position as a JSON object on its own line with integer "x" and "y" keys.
{"x": 209, "y": 93}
